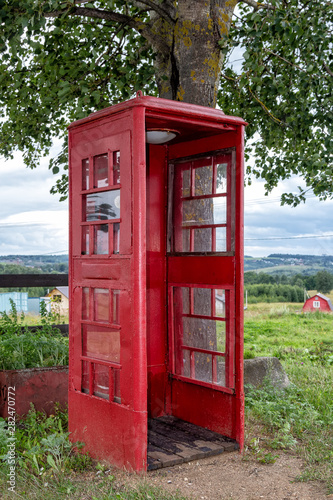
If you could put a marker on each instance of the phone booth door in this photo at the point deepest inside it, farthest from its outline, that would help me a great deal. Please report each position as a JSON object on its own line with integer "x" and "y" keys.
{"x": 107, "y": 368}
{"x": 201, "y": 285}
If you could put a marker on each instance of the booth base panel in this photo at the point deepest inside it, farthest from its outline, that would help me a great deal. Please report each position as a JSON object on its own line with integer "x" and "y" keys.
{"x": 172, "y": 441}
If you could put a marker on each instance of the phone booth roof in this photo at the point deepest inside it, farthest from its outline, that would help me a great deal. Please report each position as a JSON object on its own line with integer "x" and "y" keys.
{"x": 164, "y": 113}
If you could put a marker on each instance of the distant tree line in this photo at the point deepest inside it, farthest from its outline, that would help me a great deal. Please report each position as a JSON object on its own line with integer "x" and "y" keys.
{"x": 34, "y": 260}
{"x": 263, "y": 287}
{"x": 57, "y": 267}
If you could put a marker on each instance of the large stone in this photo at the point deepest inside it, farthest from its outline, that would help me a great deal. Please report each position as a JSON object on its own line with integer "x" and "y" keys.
{"x": 257, "y": 371}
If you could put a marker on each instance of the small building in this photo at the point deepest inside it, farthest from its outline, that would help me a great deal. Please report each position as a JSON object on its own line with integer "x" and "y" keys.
{"x": 20, "y": 300}
{"x": 34, "y": 305}
{"x": 318, "y": 302}
{"x": 59, "y": 300}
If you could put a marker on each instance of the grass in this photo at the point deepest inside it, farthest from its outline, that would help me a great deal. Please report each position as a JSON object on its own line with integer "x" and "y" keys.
{"x": 300, "y": 417}
{"x": 284, "y": 332}
{"x": 88, "y": 486}
{"x": 47, "y": 467}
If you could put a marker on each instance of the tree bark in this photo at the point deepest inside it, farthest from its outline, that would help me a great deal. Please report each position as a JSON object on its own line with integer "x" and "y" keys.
{"x": 190, "y": 69}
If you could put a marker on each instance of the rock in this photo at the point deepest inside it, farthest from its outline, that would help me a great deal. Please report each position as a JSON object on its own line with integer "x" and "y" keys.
{"x": 259, "y": 370}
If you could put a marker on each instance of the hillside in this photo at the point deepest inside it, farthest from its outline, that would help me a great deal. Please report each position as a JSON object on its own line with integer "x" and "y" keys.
{"x": 289, "y": 264}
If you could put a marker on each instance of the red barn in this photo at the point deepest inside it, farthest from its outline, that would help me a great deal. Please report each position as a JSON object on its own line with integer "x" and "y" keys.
{"x": 318, "y": 303}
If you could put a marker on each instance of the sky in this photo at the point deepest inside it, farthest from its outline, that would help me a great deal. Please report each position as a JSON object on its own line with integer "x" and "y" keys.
{"x": 33, "y": 221}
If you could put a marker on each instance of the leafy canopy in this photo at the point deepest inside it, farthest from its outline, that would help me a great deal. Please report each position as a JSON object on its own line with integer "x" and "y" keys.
{"x": 284, "y": 91}
{"x": 61, "y": 60}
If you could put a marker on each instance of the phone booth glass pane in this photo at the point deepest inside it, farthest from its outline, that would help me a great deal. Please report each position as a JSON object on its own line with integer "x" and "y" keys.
{"x": 85, "y": 377}
{"x": 116, "y": 167}
{"x": 221, "y": 177}
{"x": 102, "y": 304}
{"x": 101, "y": 171}
{"x": 85, "y": 174}
{"x": 101, "y": 239}
{"x": 101, "y": 385}
{"x": 103, "y": 205}
{"x": 85, "y": 303}
{"x": 101, "y": 343}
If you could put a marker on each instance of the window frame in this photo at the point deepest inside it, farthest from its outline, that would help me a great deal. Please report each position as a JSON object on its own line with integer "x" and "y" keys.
{"x": 228, "y": 354}
{"x": 89, "y": 228}
{"x": 173, "y": 225}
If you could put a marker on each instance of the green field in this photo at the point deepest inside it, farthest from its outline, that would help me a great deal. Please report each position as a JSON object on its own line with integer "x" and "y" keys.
{"x": 301, "y": 417}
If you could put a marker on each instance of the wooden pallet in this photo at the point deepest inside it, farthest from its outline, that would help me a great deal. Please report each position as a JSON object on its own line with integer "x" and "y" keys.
{"x": 172, "y": 441}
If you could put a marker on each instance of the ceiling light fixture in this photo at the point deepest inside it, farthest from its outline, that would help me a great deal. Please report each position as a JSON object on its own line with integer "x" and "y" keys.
{"x": 160, "y": 135}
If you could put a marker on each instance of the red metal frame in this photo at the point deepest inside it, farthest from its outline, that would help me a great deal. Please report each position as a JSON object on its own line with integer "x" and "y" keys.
{"x": 109, "y": 407}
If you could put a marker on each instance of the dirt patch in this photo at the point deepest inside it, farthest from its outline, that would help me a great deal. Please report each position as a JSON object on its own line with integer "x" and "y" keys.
{"x": 229, "y": 476}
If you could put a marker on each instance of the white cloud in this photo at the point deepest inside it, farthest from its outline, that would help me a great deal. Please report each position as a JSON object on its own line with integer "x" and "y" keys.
{"x": 32, "y": 221}
{"x": 266, "y": 218}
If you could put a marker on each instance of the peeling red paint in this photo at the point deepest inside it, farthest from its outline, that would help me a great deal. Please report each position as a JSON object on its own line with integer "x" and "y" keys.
{"x": 41, "y": 386}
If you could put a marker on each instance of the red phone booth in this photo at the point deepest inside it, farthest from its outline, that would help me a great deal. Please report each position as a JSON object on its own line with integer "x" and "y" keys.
{"x": 156, "y": 272}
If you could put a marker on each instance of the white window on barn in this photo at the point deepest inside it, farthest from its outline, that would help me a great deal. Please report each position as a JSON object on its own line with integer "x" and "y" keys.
{"x": 316, "y": 304}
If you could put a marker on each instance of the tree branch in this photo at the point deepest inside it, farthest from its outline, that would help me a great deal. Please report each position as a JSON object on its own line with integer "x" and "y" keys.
{"x": 156, "y": 8}
{"x": 274, "y": 118}
{"x": 285, "y": 60}
{"x": 328, "y": 69}
{"x": 258, "y": 5}
{"x": 107, "y": 15}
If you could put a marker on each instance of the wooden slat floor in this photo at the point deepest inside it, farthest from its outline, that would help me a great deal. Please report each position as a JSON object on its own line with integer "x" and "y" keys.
{"x": 172, "y": 441}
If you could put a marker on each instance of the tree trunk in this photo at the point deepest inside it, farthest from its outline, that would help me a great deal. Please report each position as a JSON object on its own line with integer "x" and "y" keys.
{"x": 190, "y": 69}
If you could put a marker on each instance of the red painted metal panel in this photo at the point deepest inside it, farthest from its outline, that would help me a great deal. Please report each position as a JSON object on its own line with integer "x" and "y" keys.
{"x": 203, "y": 406}
{"x": 139, "y": 352}
{"x": 200, "y": 145}
{"x": 116, "y": 272}
{"x": 156, "y": 279}
{"x": 209, "y": 270}
{"x": 110, "y": 431}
